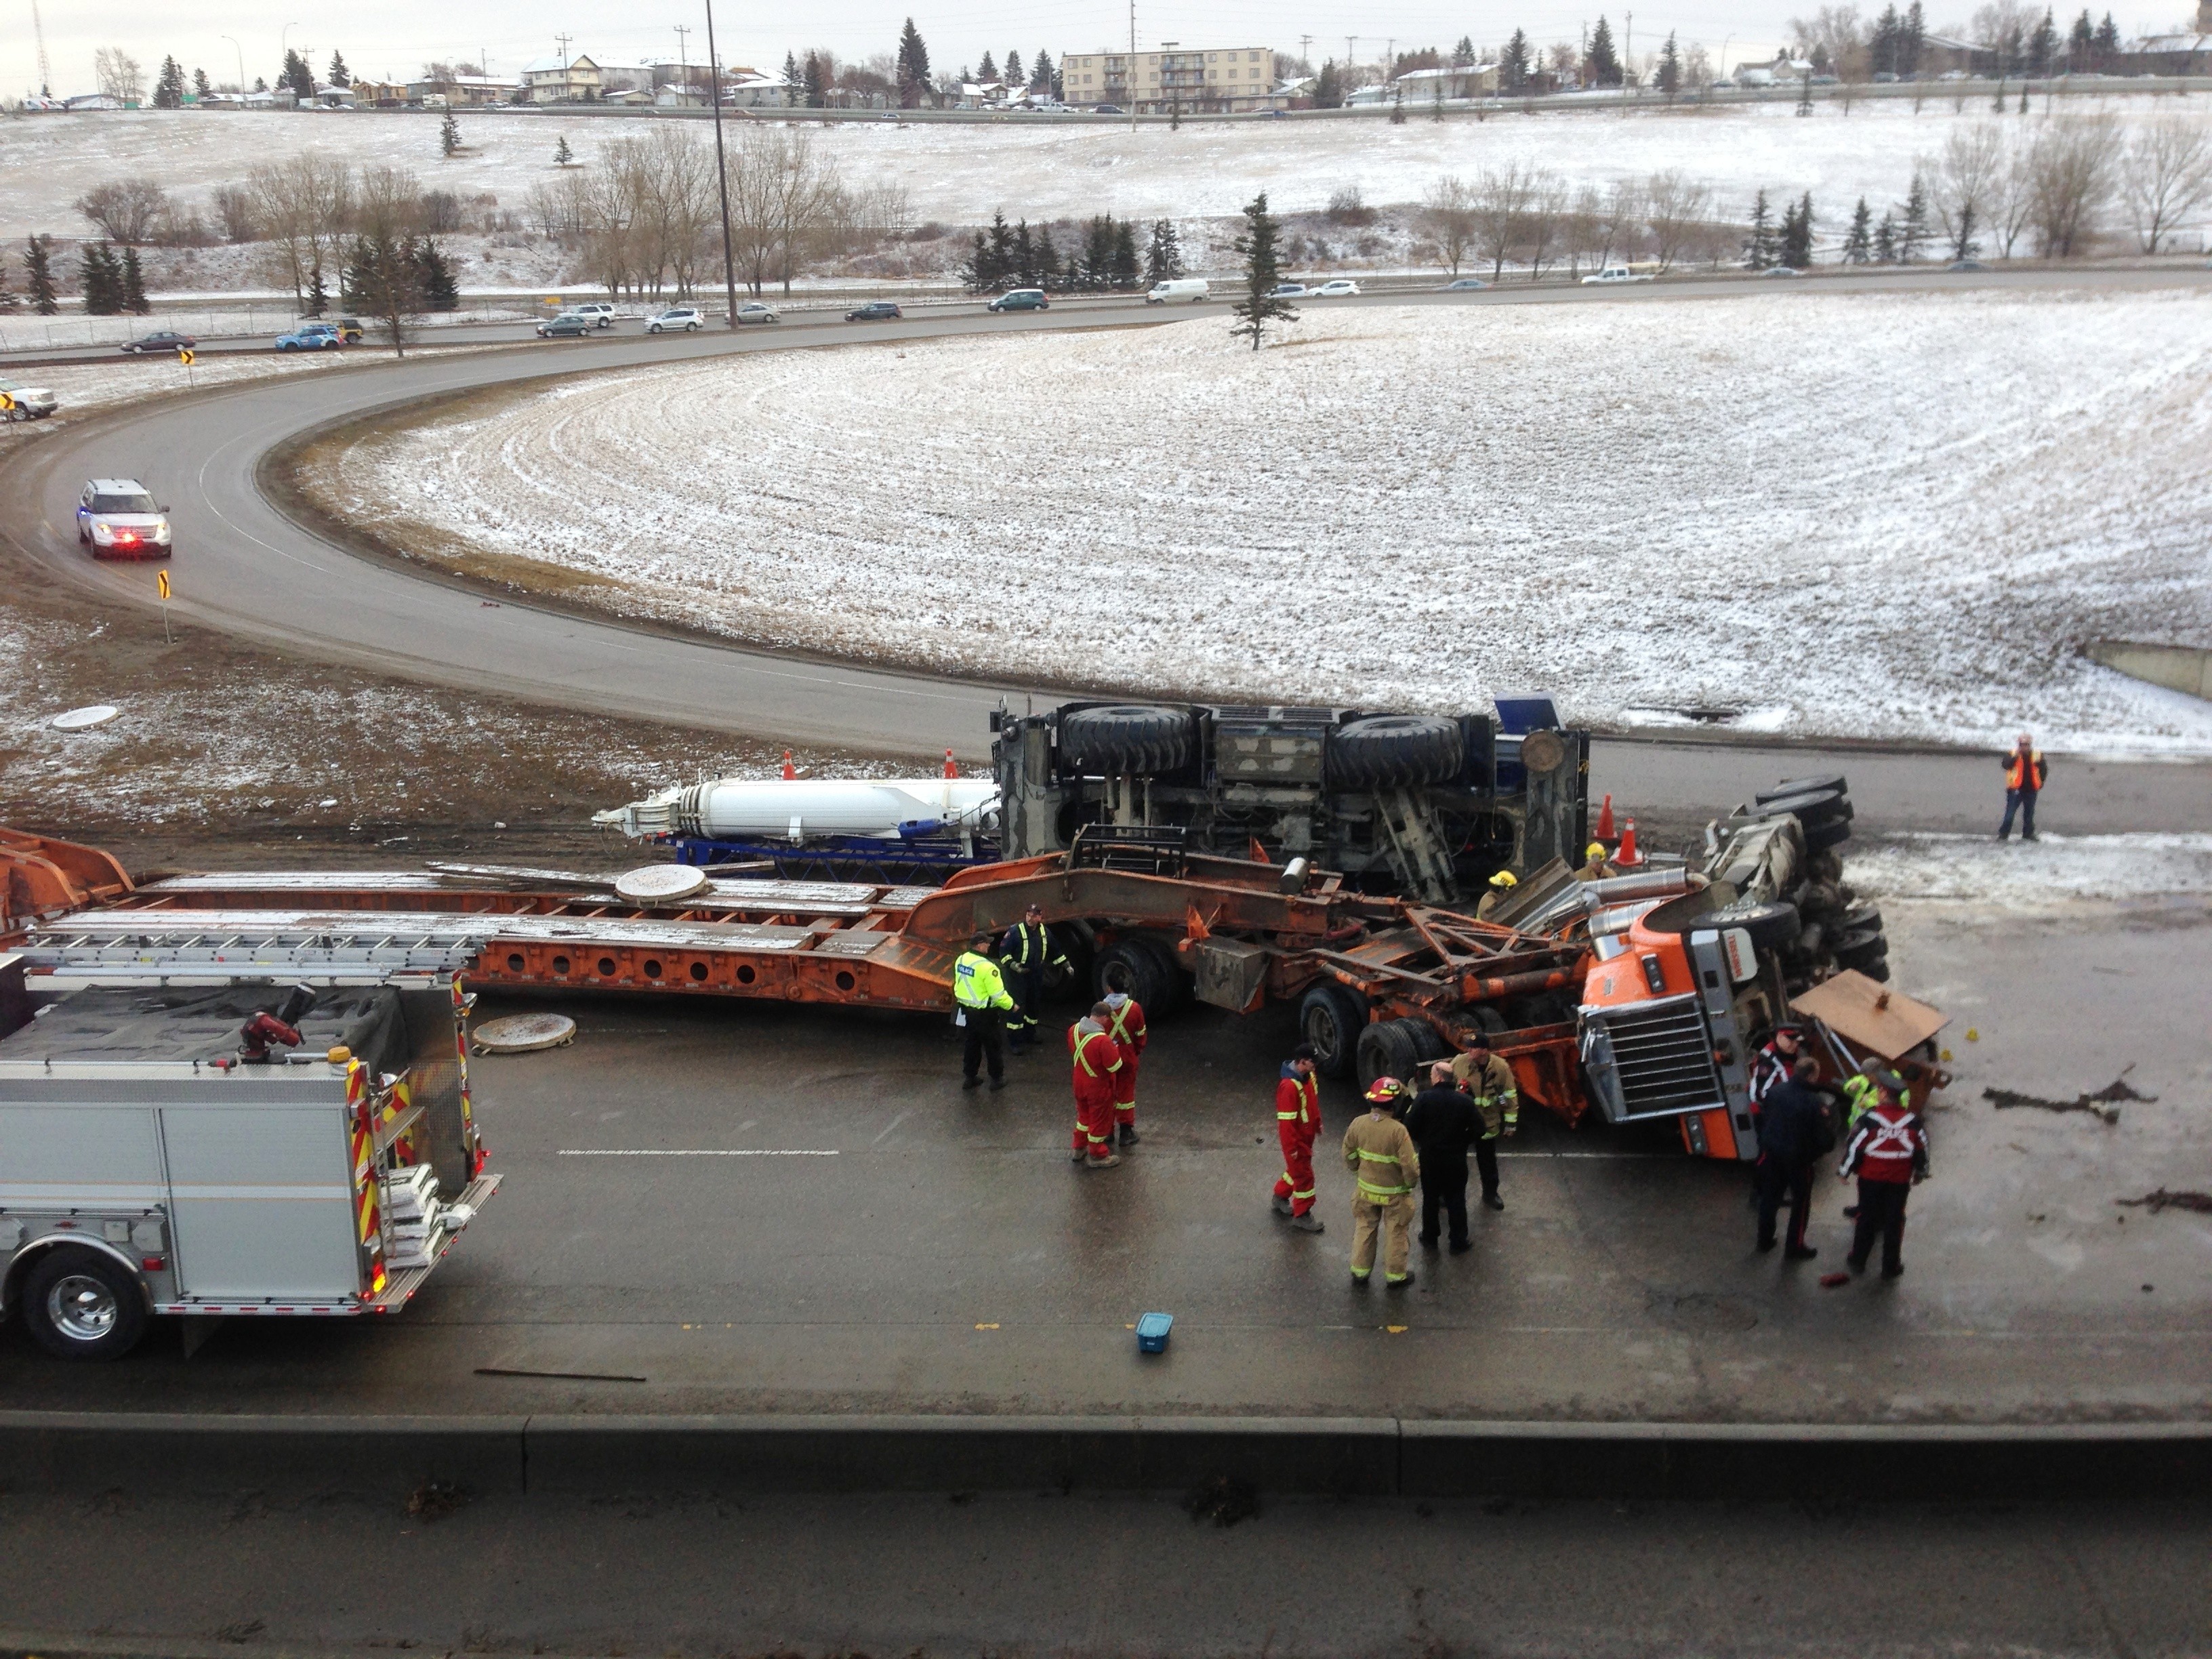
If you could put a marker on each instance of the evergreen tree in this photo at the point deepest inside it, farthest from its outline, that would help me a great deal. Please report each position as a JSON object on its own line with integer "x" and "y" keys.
{"x": 1263, "y": 271}
{"x": 1329, "y": 87}
{"x": 11, "y": 301}
{"x": 563, "y": 156}
{"x": 39, "y": 272}
{"x": 340, "y": 76}
{"x": 1017, "y": 77}
{"x": 434, "y": 278}
{"x": 1760, "y": 248}
{"x": 130, "y": 288}
{"x": 1885, "y": 242}
{"x": 1047, "y": 258}
{"x": 1670, "y": 67}
{"x": 2043, "y": 45}
{"x": 988, "y": 69}
{"x": 1514, "y": 62}
{"x": 2108, "y": 40}
{"x": 297, "y": 77}
{"x": 1098, "y": 253}
{"x": 1025, "y": 255}
{"x": 1398, "y": 104}
{"x": 912, "y": 66}
{"x": 1436, "y": 104}
{"x": 1963, "y": 243}
{"x": 1040, "y": 73}
{"x": 1163, "y": 254}
{"x": 1859, "y": 246}
{"x": 259, "y": 85}
{"x": 449, "y": 136}
{"x": 200, "y": 87}
{"x": 1797, "y": 234}
{"x": 1601, "y": 67}
{"x": 1912, "y": 234}
{"x": 1071, "y": 281}
{"x": 794, "y": 83}
{"x": 976, "y": 275}
{"x": 99, "y": 280}
{"x": 318, "y": 295}
{"x": 169, "y": 85}
{"x": 1463, "y": 53}
{"x": 1002, "y": 247}
{"x": 1911, "y": 41}
{"x": 1805, "y": 93}
{"x": 1124, "y": 270}
{"x": 813, "y": 83}
{"x": 354, "y": 277}
{"x": 2081, "y": 43}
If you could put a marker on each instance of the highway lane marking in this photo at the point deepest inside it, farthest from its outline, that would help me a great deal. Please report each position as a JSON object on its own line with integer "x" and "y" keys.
{"x": 685, "y": 1151}
{"x": 892, "y": 1125}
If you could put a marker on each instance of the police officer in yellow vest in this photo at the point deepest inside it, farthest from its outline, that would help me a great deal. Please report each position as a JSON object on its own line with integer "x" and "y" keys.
{"x": 1028, "y": 952}
{"x": 982, "y": 994}
{"x": 1487, "y": 1080}
{"x": 1383, "y": 1160}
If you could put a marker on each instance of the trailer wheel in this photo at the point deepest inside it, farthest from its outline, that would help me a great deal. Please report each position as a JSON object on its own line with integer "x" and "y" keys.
{"x": 1396, "y": 751}
{"x": 78, "y": 1304}
{"x": 1125, "y": 739}
{"x": 1771, "y": 926}
{"x": 1131, "y": 965}
{"x": 1488, "y": 1017}
{"x": 1820, "y": 837}
{"x": 1789, "y": 787}
{"x": 1861, "y": 916}
{"x": 1825, "y": 867}
{"x": 1174, "y": 990}
{"x": 1386, "y": 1049}
{"x": 1331, "y": 1016}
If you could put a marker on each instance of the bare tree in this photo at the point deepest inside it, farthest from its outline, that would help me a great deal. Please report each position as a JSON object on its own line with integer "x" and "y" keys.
{"x": 1543, "y": 220}
{"x": 304, "y": 208}
{"x": 2011, "y": 200}
{"x": 1501, "y": 205}
{"x": 2166, "y": 173}
{"x": 807, "y": 189}
{"x": 2070, "y": 167}
{"x": 118, "y": 75}
{"x": 1969, "y": 177}
{"x": 125, "y": 211}
{"x": 234, "y": 211}
{"x": 1675, "y": 209}
{"x": 1837, "y": 32}
{"x": 1619, "y": 218}
{"x": 386, "y": 213}
{"x": 1447, "y": 214}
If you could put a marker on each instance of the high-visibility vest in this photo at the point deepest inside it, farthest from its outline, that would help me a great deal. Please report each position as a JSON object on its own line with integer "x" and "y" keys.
{"x": 2029, "y": 766}
{"x": 1028, "y": 942}
{"x": 976, "y": 982}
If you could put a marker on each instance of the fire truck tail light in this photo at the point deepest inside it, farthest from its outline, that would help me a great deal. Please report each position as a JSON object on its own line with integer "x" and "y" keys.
{"x": 154, "y": 1264}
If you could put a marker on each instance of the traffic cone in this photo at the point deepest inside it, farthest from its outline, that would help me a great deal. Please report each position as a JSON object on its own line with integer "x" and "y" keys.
{"x": 1605, "y": 820}
{"x": 790, "y": 772}
{"x": 1628, "y": 857}
{"x": 950, "y": 770}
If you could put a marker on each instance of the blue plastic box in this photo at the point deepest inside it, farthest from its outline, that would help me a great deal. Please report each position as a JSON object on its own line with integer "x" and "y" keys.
{"x": 1152, "y": 1332}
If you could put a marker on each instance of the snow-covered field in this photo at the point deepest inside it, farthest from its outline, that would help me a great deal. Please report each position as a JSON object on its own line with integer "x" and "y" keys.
{"x": 960, "y": 173}
{"x": 2030, "y": 876}
{"x": 1886, "y": 515}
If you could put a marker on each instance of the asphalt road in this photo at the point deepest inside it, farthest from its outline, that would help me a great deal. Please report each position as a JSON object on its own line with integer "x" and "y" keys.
{"x": 242, "y": 566}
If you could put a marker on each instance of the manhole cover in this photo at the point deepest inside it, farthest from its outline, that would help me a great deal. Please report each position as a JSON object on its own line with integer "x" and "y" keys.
{"x": 1701, "y": 1310}
{"x": 656, "y": 883}
{"x": 83, "y": 719}
{"x": 517, "y": 1034}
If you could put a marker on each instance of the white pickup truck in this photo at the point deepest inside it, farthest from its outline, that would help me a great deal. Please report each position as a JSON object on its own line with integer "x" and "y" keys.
{"x": 26, "y": 403}
{"x": 1616, "y": 274}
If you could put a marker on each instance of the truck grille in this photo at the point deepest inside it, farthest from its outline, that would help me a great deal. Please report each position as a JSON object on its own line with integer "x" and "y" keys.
{"x": 1663, "y": 1060}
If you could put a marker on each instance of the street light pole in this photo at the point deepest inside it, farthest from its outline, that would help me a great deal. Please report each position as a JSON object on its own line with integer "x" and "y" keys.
{"x": 721, "y": 170}
{"x": 235, "y": 48}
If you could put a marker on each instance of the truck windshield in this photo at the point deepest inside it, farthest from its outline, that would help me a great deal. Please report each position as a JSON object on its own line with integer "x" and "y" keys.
{"x": 135, "y": 501}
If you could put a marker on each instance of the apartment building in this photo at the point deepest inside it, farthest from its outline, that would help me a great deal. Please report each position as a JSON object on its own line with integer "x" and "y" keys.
{"x": 1154, "y": 82}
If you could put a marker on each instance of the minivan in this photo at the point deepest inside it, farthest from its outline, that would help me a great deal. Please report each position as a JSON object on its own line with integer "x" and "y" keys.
{"x": 1193, "y": 289}
{"x": 1021, "y": 299}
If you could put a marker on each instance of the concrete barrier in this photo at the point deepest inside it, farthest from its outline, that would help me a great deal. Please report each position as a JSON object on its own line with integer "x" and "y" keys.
{"x": 2177, "y": 667}
{"x": 1383, "y": 1458}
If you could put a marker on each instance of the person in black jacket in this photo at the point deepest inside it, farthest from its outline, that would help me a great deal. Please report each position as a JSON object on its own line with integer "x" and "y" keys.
{"x": 1793, "y": 1132}
{"x": 1444, "y": 1123}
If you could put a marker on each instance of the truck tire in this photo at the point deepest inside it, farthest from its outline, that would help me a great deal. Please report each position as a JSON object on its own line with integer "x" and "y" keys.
{"x": 1820, "y": 837}
{"x": 1131, "y": 964}
{"x": 1125, "y": 739}
{"x": 1864, "y": 957}
{"x": 1861, "y": 916}
{"x": 1174, "y": 988}
{"x": 79, "y": 1304}
{"x": 1790, "y": 787}
{"x": 1488, "y": 1017}
{"x": 1331, "y": 1016}
{"x": 1386, "y": 1049}
{"x": 1396, "y": 751}
{"x": 1823, "y": 807}
{"x": 1771, "y": 926}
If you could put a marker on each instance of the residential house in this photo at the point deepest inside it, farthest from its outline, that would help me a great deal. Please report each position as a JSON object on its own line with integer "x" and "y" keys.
{"x": 378, "y": 94}
{"x": 1460, "y": 81}
{"x": 561, "y": 81}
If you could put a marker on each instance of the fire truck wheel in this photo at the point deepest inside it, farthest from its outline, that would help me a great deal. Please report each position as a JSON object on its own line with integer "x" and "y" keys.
{"x": 1790, "y": 787}
{"x": 1331, "y": 1018}
{"x": 1131, "y": 965}
{"x": 79, "y": 1304}
{"x": 1386, "y": 1049}
{"x": 1396, "y": 751}
{"x": 1125, "y": 739}
{"x": 1771, "y": 926}
{"x": 1819, "y": 837}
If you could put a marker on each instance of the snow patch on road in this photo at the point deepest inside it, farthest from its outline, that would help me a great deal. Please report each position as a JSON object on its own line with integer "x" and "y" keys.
{"x": 1890, "y": 516}
{"x": 2017, "y": 875}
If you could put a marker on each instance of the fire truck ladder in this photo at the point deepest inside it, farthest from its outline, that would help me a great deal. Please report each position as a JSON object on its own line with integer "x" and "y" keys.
{"x": 223, "y": 948}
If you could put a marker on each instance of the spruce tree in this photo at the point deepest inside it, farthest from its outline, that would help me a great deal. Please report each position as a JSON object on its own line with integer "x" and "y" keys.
{"x": 1002, "y": 249}
{"x": 1885, "y": 242}
{"x": 449, "y": 136}
{"x": 434, "y": 278}
{"x": 1125, "y": 269}
{"x": 1805, "y": 93}
{"x": 1758, "y": 246}
{"x": 298, "y": 77}
{"x": 1463, "y": 53}
{"x": 1163, "y": 254}
{"x": 39, "y": 272}
{"x": 1670, "y": 67}
{"x": 794, "y": 83}
{"x": 1912, "y": 234}
{"x": 1797, "y": 234}
{"x": 1398, "y": 105}
{"x": 1859, "y": 246}
{"x": 1329, "y": 87}
{"x": 130, "y": 288}
{"x": 1072, "y": 280}
{"x": 340, "y": 76}
{"x": 11, "y": 301}
{"x": 912, "y": 66}
{"x": 1040, "y": 73}
{"x": 1258, "y": 305}
{"x": 815, "y": 84}
{"x": 200, "y": 87}
{"x": 169, "y": 85}
{"x": 1098, "y": 253}
{"x": 1024, "y": 256}
{"x": 319, "y": 296}
{"x": 1048, "y": 258}
{"x": 1514, "y": 62}
{"x": 976, "y": 275}
{"x": 101, "y": 282}
{"x": 1602, "y": 65}
{"x": 1013, "y": 73}
{"x": 988, "y": 69}
{"x": 563, "y": 156}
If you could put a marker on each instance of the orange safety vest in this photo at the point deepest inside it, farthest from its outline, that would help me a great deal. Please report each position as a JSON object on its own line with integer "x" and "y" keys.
{"x": 2030, "y": 766}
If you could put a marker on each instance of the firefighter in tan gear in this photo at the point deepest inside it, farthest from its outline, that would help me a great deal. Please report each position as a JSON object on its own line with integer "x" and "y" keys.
{"x": 1385, "y": 1167}
{"x": 1486, "y": 1079}
{"x": 1501, "y": 889}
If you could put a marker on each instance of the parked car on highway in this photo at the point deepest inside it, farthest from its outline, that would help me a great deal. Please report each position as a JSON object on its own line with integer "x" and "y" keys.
{"x": 875, "y": 311}
{"x": 1781, "y": 271}
{"x": 1966, "y": 266}
{"x": 159, "y": 340}
{"x": 1193, "y": 289}
{"x": 349, "y": 329}
{"x": 566, "y": 326}
{"x": 597, "y": 313}
{"x": 1021, "y": 299}
{"x": 1616, "y": 274}
{"x": 313, "y": 336}
{"x": 685, "y": 318}
{"x": 1289, "y": 291}
{"x": 1108, "y": 109}
{"x": 752, "y": 311}
{"x": 1270, "y": 115}
{"x": 120, "y": 515}
{"x": 28, "y": 403}
{"x": 1336, "y": 289}
{"x": 1464, "y": 285}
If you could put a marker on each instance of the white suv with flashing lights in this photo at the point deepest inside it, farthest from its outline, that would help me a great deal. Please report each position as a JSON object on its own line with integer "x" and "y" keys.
{"x": 117, "y": 515}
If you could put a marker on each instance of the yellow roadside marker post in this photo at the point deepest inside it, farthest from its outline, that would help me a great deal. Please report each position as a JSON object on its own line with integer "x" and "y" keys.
{"x": 185, "y": 357}
{"x": 162, "y": 586}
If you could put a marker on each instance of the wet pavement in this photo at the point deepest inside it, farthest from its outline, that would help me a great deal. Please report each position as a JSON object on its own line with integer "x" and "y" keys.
{"x": 885, "y": 1242}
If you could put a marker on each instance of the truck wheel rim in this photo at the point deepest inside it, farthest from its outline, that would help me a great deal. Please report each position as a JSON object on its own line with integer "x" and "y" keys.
{"x": 82, "y": 1308}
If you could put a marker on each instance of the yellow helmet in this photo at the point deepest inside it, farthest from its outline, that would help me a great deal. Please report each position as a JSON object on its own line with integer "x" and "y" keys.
{"x": 1595, "y": 850}
{"x": 1503, "y": 879}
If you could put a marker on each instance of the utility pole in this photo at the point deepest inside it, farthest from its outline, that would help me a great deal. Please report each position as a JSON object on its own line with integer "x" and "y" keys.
{"x": 1389, "y": 58}
{"x": 1133, "y": 65}
{"x": 721, "y": 171}
{"x": 1628, "y": 60}
{"x": 1305, "y": 49}
{"x": 682, "y": 60}
{"x": 564, "y": 39}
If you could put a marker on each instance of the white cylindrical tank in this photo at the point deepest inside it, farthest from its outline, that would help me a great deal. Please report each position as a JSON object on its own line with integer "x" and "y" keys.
{"x": 737, "y": 809}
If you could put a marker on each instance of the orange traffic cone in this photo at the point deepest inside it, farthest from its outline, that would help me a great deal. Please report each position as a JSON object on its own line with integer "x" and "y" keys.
{"x": 950, "y": 770}
{"x": 789, "y": 770}
{"x": 1605, "y": 821}
{"x": 1627, "y": 857}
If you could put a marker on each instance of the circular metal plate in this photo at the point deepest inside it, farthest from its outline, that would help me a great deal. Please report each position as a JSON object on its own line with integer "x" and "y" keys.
{"x": 1542, "y": 752}
{"x": 656, "y": 883}
{"x": 83, "y": 719}
{"x": 519, "y": 1033}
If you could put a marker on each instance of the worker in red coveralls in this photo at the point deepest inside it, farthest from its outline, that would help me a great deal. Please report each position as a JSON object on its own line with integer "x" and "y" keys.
{"x": 1094, "y": 1062}
{"x": 1298, "y": 1121}
{"x": 1126, "y": 1024}
{"x": 1888, "y": 1152}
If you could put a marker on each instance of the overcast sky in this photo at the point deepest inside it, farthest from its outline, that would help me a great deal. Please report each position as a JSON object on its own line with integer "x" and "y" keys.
{"x": 396, "y": 37}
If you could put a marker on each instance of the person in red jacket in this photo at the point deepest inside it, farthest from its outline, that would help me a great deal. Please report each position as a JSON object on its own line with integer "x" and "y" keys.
{"x": 1126, "y": 1025}
{"x": 1298, "y": 1121}
{"x": 1094, "y": 1063}
{"x": 1888, "y": 1152}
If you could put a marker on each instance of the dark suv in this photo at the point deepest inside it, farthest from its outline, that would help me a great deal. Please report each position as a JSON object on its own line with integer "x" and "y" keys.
{"x": 875, "y": 311}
